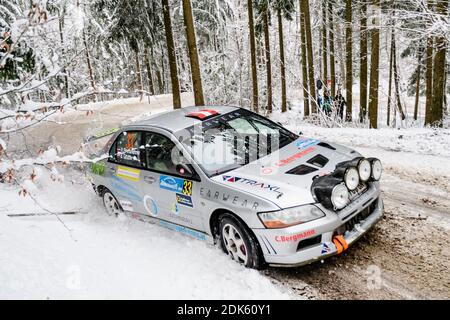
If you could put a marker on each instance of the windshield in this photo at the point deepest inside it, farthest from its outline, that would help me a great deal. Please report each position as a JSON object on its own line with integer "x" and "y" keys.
{"x": 233, "y": 140}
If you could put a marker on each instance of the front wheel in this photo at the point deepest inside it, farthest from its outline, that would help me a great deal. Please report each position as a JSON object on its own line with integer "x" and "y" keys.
{"x": 238, "y": 243}
{"x": 112, "y": 206}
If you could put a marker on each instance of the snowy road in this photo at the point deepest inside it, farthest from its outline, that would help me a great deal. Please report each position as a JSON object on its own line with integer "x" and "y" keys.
{"x": 404, "y": 256}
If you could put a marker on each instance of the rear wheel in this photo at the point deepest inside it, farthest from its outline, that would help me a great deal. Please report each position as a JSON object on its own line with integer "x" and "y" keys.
{"x": 112, "y": 206}
{"x": 239, "y": 243}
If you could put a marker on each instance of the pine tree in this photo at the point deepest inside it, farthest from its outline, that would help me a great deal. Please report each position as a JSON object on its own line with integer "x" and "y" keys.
{"x": 439, "y": 70}
{"x": 172, "y": 55}
{"x": 251, "y": 26}
{"x": 374, "y": 68}
{"x": 304, "y": 8}
{"x": 304, "y": 64}
{"x": 193, "y": 53}
{"x": 348, "y": 59}
{"x": 363, "y": 62}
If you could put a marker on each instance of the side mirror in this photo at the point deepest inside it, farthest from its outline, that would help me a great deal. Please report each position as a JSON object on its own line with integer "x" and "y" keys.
{"x": 184, "y": 170}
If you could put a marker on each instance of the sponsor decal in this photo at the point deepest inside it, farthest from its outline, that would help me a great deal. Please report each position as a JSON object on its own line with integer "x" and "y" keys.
{"x": 228, "y": 198}
{"x": 125, "y": 189}
{"x": 184, "y": 200}
{"x": 267, "y": 171}
{"x": 294, "y": 157}
{"x": 128, "y": 173}
{"x": 171, "y": 184}
{"x": 174, "y": 208}
{"x": 304, "y": 143}
{"x": 180, "y": 218}
{"x": 184, "y": 230}
{"x": 326, "y": 248}
{"x": 126, "y": 205}
{"x": 187, "y": 188}
{"x": 150, "y": 206}
{"x": 295, "y": 237}
{"x": 98, "y": 168}
{"x": 253, "y": 183}
{"x": 105, "y": 133}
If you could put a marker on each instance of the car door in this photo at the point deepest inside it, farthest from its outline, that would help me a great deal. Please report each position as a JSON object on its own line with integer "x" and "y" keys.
{"x": 125, "y": 167}
{"x": 174, "y": 191}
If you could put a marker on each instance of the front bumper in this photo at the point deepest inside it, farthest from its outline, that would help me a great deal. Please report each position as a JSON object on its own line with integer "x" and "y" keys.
{"x": 313, "y": 241}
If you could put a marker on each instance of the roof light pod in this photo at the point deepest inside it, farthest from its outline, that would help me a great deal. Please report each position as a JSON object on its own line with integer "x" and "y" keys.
{"x": 203, "y": 114}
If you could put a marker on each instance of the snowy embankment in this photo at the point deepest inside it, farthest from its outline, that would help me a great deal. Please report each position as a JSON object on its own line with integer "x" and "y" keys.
{"x": 423, "y": 150}
{"x": 100, "y": 257}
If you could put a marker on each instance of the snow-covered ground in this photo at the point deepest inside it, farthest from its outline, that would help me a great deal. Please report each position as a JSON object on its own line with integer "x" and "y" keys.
{"x": 93, "y": 256}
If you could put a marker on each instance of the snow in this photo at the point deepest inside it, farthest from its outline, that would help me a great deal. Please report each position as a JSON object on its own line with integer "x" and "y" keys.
{"x": 2, "y": 144}
{"x": 107, "y": 258}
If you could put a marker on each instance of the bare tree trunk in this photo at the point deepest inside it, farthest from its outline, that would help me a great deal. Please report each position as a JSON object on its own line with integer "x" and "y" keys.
{"x": 88, "y": 60}
{"x": 389, "y": 102}
{"x": 149, "y": 72}
{"x": 396, "y": 78}
{"x": 374, "y": 68}
{"x": 419, "y": 74}
{"x": 439, "y": 71}
{"x": 304, "y": 64}
{"x": 62, "y": 14}
{"x": 139, "y": 74}
{"x": 282, "y": 62}
{"x": 363, "y": 63}
{"x": 312, "y": 85}
{"x": 193, "y": 53}
{"x": 324, "y": 42}
{"x": 268, "y": 61}
{"x": 429, "y": 77}
{"x": 348, "y": 59}
{"x": 251, "y": 26}
{"x": 332, "y": 56}
{"x": 172, "y": 55}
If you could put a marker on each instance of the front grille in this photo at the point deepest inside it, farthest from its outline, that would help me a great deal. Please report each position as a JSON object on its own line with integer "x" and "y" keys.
{"x": 309, "y": 242}
{"x": 350, "y": 224}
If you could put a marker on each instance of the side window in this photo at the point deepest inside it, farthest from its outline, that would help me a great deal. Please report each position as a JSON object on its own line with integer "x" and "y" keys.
{"x": 128, "y": 149}
{"x": 159, "y": 153}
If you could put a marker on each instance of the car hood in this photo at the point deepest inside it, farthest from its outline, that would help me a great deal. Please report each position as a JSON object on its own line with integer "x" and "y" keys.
{"x": 283, "y": 177}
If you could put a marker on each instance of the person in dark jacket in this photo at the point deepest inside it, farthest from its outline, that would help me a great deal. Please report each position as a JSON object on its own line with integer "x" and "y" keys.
{"x": 340, "y": 104}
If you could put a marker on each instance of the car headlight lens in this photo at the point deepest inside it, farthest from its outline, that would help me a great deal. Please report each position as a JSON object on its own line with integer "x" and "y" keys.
{"x": 351, "y": 178}
{"x": 377, "y": 170}
{"x": 365, "y": 170}
{"x": 340, "y": 196}
{"x": 290, "y": 217}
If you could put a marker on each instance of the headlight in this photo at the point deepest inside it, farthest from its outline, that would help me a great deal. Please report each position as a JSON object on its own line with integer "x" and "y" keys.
{"x": 290, "y": 217}
{"x": 365, "y": 170}
{"x": 351, "y": 178}
{"x": 340, "y": 196}
{"x": 377, "y": 169}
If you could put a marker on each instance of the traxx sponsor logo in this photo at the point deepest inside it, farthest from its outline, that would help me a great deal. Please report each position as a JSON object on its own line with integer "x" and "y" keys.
{"x": 252, "y": 183}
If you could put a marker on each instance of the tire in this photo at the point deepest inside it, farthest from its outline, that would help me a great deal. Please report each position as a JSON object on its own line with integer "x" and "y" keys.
{"x": 237, "y": 241}
{"x": 112, "y": 206}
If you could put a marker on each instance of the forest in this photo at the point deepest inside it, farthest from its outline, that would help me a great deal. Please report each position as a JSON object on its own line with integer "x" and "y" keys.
{"x": 386, "y": 60}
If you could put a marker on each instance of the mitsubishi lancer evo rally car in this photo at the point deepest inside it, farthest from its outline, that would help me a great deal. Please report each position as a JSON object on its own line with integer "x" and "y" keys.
{"x": 229, "y": 176}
